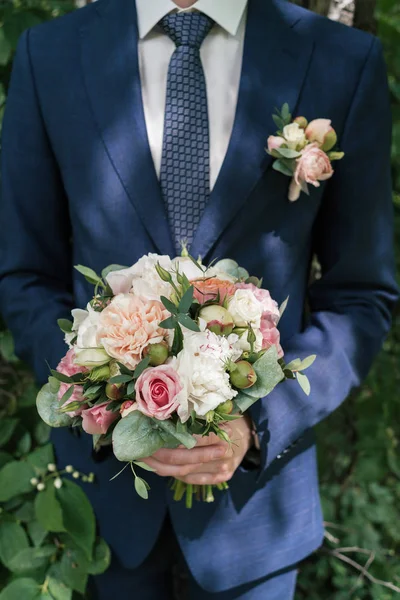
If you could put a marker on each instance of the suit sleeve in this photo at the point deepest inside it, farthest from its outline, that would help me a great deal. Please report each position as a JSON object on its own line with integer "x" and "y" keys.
{"x": 35, "y": 250}
{"x": 352, "y": 303}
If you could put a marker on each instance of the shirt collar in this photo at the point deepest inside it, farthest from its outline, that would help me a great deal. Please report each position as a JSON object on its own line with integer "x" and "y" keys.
{"x": 227, "y": 13}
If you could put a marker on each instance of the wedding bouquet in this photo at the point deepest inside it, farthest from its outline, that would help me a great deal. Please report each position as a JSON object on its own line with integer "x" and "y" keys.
{"x": 167, "y": 350}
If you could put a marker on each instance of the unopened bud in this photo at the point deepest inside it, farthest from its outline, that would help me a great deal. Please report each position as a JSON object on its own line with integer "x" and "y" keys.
{"x": 163, "y": 273}
{"x": 34, "y": 481}
{"x": 114, "y": 391}
{"x": 329, "y": 141}
{"x": 158, "y": 353}
{"x": 58, "y": 483}
{"x": 76, "y": 475}
{"x": 69, "y": 468}
{"x": 100, "y": 374}
{"x": 301, "y": 122}
{"x": 51, "y": 467}
{"x": 226, "y": 408}
{"x": 244, "y": 376}
{"x": 40, "y": 487}
{"x": 218, "y": 319}
{"x": 210, "y": 416}
{"x": 335, "y": 155}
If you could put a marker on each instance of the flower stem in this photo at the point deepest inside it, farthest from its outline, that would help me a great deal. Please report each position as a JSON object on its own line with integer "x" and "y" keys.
{"x": 189, "y": 495}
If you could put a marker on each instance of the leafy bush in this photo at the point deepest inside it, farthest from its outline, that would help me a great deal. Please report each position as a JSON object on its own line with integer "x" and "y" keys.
{"x": 48, "y": 544}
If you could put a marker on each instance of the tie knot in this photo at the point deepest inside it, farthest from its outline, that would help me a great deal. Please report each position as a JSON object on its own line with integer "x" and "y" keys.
{"x": 187, "y": 29}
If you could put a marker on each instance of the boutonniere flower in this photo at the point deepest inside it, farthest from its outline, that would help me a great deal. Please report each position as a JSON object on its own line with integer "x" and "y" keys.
{"x": 304, "y": 151}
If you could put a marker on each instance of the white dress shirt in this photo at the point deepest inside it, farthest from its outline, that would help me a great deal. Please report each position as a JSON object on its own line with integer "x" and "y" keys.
{"x": 221, "y": 54}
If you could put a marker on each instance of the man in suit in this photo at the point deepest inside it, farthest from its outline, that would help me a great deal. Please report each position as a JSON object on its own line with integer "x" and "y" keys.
{"x": 130, "y": 126}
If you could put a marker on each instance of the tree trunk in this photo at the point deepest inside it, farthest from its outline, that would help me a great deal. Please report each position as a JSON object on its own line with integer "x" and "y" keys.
{"x": 360, "y": 13}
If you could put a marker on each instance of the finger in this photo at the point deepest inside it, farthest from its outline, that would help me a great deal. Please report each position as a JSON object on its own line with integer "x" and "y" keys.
{"x": 206, "y": 478}
{"x": 214, "y": 467}
{"x": 164, "y": 470}
{"x": 202, "y": 454}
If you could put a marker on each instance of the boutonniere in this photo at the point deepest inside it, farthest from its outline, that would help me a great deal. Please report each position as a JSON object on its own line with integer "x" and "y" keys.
{"x": 304, "y": 151}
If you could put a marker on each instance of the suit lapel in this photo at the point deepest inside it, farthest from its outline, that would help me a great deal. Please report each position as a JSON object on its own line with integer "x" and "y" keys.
{"x": 275, "y": 63}
{"x": 112, "y": 78}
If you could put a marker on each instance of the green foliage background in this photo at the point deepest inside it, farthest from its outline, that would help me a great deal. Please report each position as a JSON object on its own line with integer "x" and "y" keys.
{"x": 358, "y": 445}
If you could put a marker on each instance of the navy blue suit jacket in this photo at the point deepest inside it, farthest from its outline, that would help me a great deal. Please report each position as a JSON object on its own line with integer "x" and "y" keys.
{"x": 79, "y": 186}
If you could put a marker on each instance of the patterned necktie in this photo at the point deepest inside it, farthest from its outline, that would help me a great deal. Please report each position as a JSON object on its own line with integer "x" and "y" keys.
{"x": 185, "y": 164}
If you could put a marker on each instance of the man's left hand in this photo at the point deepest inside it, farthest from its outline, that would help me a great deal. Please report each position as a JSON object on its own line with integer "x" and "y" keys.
{"x": 211, "y": 461}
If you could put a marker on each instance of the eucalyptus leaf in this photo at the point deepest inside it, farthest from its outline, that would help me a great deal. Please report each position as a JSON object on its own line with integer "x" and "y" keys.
{"x": 143, "y": 465}
{"x": 168, "y": 323}
{"x": 278, "y": 121}
{"x": 283, "y": 306}
{"x": 48, "y": 408}
{"x": 141, "y": 488}
{"x": 304, "y": 383}
{"x": 288, "y": 152}
{"x": 281, "y": 167}
{"x": 294, "y": 364}
{"x": 183, "y": 437}
{"x": 135, "y": 437}
{"x": 269, "y": 374}
{"x": 142, "y": 366}
{"x": 121, "y": 379}
{"x": 90, "y": 275}
{"x": 188, "y": 322}
{"x": 111, "y": 269}
{"x": 307, "y": 362}
{"x": 243, "y": 401}
{"x": 61, "y": 377}
{"x": 67, "y": 395}
{"x": 186, "y": 301}
{"x": 177, "y": 344}
{"x": 170, "y": 306}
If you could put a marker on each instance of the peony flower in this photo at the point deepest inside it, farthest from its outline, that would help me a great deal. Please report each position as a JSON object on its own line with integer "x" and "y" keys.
{"x": 322, "y": 132}
{"x": 294, "y": 136}
{"x": 158, "y": 391}
{"x": 128, "y": 325}
{"x": 97, "y": 420}
{"x": 275, "y": 142}
{"x": 313, "y": 166}
{"x": 201, "y": 367}
{"x": 68, "y": 367}
{"x": 206, "y": 290}
{"x": 142, "y": 278}
{"x": 245, "y": 308}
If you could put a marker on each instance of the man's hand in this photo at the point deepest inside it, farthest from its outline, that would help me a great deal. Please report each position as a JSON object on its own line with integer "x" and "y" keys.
{"x": 212, "y": 461}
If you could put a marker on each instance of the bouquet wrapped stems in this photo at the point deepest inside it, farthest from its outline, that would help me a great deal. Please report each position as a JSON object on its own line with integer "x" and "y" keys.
{"x": 200, "y": 492}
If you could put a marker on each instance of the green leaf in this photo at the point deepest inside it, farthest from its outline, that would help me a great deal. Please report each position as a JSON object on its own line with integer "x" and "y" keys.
{"x": 7, "y": 428}
{"x": 36, "y": 533}
{"x": 110, "y": 269}
{"x": 40, "y": 458}
{"x": 304, "y": 383}
{"x": 182, "y": 437}
{"x": 281, "y": 167}
{"x": 15, "y": 479}
{"x": 21, "y": 589}
{"x": 24, "y": 443}
{"x": 31, "y": 559}
{"x": 54, "y": 385}
{"x": 101, "y": 558}
{"x": 186, "y": 301}
{"x": 93, "y": 390}
{"x": 48, "y": 510}
{"x": 121, "y": 379}
{"x": 168, "y": 323}
{"x": 177, "y": 344}
{"x": 142, "y": 366}
{"x": 41, "y": 432}
{"x": 285, "y": 112}
{"x": 90, "y": 275}
{"x": 5, "y": 48}
{"x": 288, "y": 152}
{"x": 5, "y": 458}
{"x": 283, "y": 306}
{"x": 65, "y": 325}
{"x": 141, "y": 488}
{"x": 66, "y": 396}
{"x": 278, "y": 121}
{"x": 124, "y": 370}
{"x": 61, "y": 377}
{"x": 48, "y": 408}
{"x": 170, "y": 306}
{"x": 243, "y": 401}
{"x": 135, "y": 437}
{"x": 78, "y": 516}
{"x": 58, "y": 589}
{"x": 25, "y": 512}
{"x": 131, "y": 388}
{"x": 269, "y": 374}
{"x": 187, "y": 322}
{"x": 72, "y": 569}
{"x": 13, "y": 540}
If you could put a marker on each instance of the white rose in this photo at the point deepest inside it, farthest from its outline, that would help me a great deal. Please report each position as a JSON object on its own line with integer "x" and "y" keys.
{"x": 201, "y": 367}
{"x": 243, "y": 345}
{"x": 294, "y": 135}
{"x": 79, "y": 315}
{"x": 187, "y": 267}
{"x": 87, "y": 330}
{"x": 142, "y": 278}
{"x": 245, "y": 308}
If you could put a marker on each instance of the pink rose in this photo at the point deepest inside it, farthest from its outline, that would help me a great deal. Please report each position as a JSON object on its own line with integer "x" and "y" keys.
{"x": 128, "y": 325}
{"x": 68, "y": 367}
{"x": 208, "y": 289}
{"x": 275, "y": 142}
{"x": 321, "y": 132}
{"x": 97, "y": 420}
{"x": 269, "y": 306}
{"x": 157, "y": 392}
{"x": 271, "y": 335}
